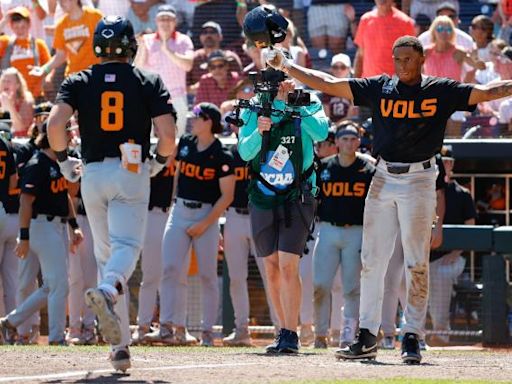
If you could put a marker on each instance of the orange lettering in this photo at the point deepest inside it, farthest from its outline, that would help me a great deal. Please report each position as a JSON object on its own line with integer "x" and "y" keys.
{"x": 410, "y": 113}
{"x": 400, "y": 109}
{"x": 429, "y": 107}
{"x": 337, "y": 189}
{"x": 359, "y": 189}
{"x": 209, "y": 174}
{"x": 385, "y": 111}
{"x": 327, "y": 188}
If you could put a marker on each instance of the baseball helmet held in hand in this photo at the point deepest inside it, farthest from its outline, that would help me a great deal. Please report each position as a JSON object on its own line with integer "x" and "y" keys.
{"x": 265, "y": 26}
{"x": 114, "y": 38}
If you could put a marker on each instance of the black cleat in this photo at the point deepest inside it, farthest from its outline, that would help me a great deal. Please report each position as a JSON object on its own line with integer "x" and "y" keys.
{"x": 289, "y": 342}
{"x": 411, "y": 349}
{"x": 274, "y": 347}
{"x": 363, "y": 348}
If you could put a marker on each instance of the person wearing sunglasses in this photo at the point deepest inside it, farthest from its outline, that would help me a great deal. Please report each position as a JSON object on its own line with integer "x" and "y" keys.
{"x": 211, "y": 39}
{"x": 444, "y": 58}
{"x": 337, "y": 108}
{"x": 215, "y": 86}
{"x": 204, "y": 188}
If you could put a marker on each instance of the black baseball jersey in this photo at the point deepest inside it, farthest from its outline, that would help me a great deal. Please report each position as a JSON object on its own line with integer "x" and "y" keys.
{"x": 161, "y": 187}
{"x": 42, "y": 178}
{"x": 200, "y": 171}
{"x": 343, "y": 190}
{"x": 7, "y": 169}
{"x": 459, "y": 208}
{"x": 116, "y": 103}
{"x": 410, "y": 121}
{"x": 242, "y": 174}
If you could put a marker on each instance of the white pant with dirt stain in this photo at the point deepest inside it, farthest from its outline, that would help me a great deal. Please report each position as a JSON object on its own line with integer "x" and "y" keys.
{"x": 397, "y": 203}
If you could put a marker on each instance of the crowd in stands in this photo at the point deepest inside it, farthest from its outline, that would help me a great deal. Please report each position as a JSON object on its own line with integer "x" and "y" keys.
{"x": 198, "y": 49}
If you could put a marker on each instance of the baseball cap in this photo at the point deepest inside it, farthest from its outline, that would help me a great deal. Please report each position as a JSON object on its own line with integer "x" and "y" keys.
{"x": 22, "y": 11}
{"x": 447, "y": 153}
{"x": 43, "y": 108}
{"x": 346, "y": 128}
{"x": 209, "y": 111}
{"x": 5, "y": 131}
{"x": 217, "y": 55}
{"x": 213, "y": 25}
{"x": 341, "y": 58}
{"x": 166, "y": 10}
{"x": 446, "y": 6}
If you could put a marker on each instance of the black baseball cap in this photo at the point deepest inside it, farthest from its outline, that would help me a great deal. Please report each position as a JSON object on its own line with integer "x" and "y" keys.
{"x": 209, "y": 111}
{"x": 217, "y": 55}
{"x": 166, "y": 10}
{"x": 43, "y": 108}
{"x": 347, "y": 127}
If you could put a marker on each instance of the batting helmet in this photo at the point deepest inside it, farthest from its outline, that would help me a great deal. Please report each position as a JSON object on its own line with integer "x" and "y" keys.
{"x": 264, "y": 25}
{"x": 114, "y": 37}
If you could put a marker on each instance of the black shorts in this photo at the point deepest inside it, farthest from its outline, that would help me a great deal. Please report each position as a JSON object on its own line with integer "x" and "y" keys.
{"x": 270, "y": 236}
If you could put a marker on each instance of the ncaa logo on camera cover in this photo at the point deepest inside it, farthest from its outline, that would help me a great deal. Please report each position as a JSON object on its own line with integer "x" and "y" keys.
{"x": 278, "y": 179}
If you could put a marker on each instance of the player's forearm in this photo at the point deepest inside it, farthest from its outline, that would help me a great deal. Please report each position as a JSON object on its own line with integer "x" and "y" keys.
{"x": 25, "y": 212}
{"x": 57, "y": 136}
{"x": 56, "y": 61}
{"x": 218, "y": 209}
{"x": 166, "y": 130}
{"x": 321, "y": 81}
{"x": 491, "y": 91}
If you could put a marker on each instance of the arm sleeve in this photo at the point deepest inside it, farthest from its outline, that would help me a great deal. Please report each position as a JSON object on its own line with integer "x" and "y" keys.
{"x": 457, "y": 96}
{"x": 32, "y": 179}
{"x": 159, "y": 99}
{"x": 225, "y": 164}
{"x": 249, "y": 138}
{"x": 363, "y": 90}
{"x": 66, "y": 94}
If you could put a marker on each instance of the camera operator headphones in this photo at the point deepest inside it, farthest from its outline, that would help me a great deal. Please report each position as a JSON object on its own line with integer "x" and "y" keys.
{"x": 265, "y": 26}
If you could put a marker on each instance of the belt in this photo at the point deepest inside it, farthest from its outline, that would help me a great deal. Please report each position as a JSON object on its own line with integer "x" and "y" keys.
{"x": 399, "y": 169}
{"x": 240, "y": 211}
{"x": 191, "y": 204}
{"x": 163, "y": 209}
{"x": 341, "y": 224}
{"x": 63, "y": 220}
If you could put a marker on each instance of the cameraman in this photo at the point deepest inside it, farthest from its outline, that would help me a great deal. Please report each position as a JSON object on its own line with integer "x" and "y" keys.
{"x": 282, "y": 197}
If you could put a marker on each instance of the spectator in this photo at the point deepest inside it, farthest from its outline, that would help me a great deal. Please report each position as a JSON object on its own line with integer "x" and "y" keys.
{"x": 38, "y": 10}
{"x": 210, "y": 39}
{"x": 22, "y": 51}
{"x": 220, "y": 11}
{"x": 421, "y": 23}
{"x": 446, "y": 267}
{"x": 376, "y": 33}
{"x": 329, "y": 22}
{"x": 427, "y": 7}
{"x": 142, "y": 16}
{"x": 73, "y": 41}
{"x": 337, "y": 108}
{"x": 16, "y": 99}
{"x": 443, "y": 58}
{"x": 461, "y": 37}
{"x": 215, "y": 86}
{"x": 168, "y": 53}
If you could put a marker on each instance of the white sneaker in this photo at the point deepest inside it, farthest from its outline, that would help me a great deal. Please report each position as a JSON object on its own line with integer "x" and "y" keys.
{"x": 103, "y": 307}
{"x": 349, "y": 333}
{"x": 73, "y": 336}
{"x": 120, "y": 359}
{"x": 182, "y": 337}
{"x": 164, "y": 335}
{"x": 240, "y": 337}
{"x": 139, "y": 334}
{"x": 307, "y": 337}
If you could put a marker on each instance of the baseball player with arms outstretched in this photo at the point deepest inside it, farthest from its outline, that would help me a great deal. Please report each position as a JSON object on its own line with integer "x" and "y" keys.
{"x": 117, "y": 104}
{"x": 410, "y": 112}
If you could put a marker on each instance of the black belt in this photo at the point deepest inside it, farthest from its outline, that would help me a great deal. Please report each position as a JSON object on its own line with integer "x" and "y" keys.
{"x": 192, "y": 204}
{"x": 63, "y": 220}
{"x": 163, "y": 209}
{"x": 241, "y": 211}
{"x": 399, "y": 169}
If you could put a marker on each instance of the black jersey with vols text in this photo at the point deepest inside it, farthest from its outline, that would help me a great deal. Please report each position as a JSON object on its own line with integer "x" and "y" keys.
{"x": 116, "y": 102}
{"x": 200, "y": 171}
{"x": 241, "y": 171}
{"x": 161, "y": 187}
{"x": 42, "y": 178}
{"x": 410, "y": 121}
{"x": 343, "y": 190}
{"x": 7, "y": 169}
{"x": 459, "y": 208}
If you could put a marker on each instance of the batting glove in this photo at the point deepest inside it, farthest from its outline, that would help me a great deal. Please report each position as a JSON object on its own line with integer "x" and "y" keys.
{"x": 71, "y": 169}
{"x": 276, "y": 59}
{"x": 155, "y": 167}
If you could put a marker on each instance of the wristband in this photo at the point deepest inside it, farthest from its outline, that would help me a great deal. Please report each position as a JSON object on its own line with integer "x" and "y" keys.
{"x": 241, "y": 5}
{"x": 24, "y": 234}
{"x": 161, "y": 159}
{"x": 61, "y": 155}
{"x": 72, "y": 223}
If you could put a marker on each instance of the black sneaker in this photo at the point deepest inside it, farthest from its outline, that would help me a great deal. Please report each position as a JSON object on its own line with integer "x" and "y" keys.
{"x": 363, "y": 347}
{"x": 411, "y": 349}
{"x": 289, "y": 342}
{"x": 274, "y": 347}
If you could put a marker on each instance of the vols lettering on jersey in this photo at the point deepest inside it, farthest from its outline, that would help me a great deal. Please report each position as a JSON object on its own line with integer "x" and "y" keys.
{"x": 242, "y": 177}
{"x": 409, "y": 128}
{"x": 400, "y": 109}
{"x": 200, "y": 171}
{"x": 343, "y": 190}
{"x": 59, "y": 185}
{"x": 111, "y": 98}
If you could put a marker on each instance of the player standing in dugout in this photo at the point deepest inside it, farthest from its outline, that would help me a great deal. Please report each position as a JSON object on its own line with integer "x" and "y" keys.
{"x": 409, "y": 112}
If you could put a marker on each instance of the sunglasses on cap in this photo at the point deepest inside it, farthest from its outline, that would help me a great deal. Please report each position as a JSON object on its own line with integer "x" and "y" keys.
{"x": 198, "y": 112}
{"x": 444, "y": 28}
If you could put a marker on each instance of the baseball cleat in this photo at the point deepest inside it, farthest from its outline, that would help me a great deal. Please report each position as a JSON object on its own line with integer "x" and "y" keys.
{"x": 103, "y": 308}
{"x": 120, "y": 359}
{"x": 274, "y": 347}
{"x": 363, "y": 348}
{"x": 320, "y": 342}
{"x": 240, "y": 337}
{"x": 411, "y": 349}
{"x": 289, "y": 342}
